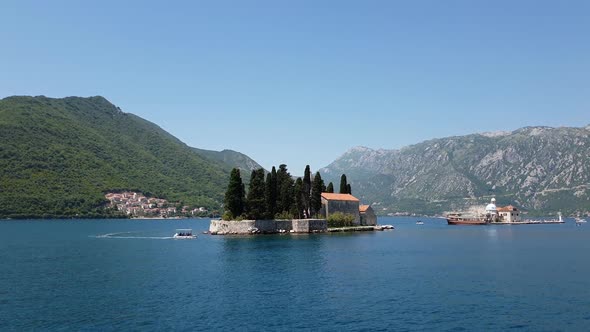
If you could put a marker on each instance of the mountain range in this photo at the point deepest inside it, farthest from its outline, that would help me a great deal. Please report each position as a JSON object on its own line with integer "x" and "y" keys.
{"x": 229, "y": 159}
{"x": 538, "y": 169}
{"x": 58, "y": 158}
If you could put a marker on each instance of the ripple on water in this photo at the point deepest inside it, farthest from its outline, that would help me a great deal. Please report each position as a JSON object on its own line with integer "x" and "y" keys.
{"x": 431, "y": 277}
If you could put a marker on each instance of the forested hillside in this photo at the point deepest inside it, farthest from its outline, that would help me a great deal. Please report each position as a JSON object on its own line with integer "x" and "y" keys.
{"x": 59, "y": 156}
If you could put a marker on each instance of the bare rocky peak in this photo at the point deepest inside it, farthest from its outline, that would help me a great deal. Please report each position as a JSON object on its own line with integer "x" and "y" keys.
{"x": 532, "y": 167}
{"x": 360, "y": 149}
{"x": 533, "y": 130}
{"x": 496, "y": 133}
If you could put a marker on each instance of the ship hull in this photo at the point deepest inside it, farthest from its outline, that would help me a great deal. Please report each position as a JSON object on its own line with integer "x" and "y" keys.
{"x": 473, "y": 222}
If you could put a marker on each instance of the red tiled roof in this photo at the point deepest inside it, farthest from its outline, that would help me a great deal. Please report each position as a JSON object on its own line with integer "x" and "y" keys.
{"x": 508, "y": 208}
{"x": 339, "y": 197}
{"x": 364, "y": 208}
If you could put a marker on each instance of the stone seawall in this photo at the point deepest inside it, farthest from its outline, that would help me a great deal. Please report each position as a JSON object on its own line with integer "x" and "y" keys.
{"x": 222, "y": 227}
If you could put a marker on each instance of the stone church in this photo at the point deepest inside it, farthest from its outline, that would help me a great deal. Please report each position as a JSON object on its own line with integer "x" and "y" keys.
{"x": 348, "y": 204}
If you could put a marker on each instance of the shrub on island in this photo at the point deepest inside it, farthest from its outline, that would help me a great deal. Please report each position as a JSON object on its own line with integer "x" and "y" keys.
{"x": 339, "y": 219}
{"x": 227, "y": 216}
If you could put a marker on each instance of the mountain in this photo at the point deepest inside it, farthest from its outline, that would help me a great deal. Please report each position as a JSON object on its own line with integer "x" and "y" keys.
{"x": 230, "y": 159}
{"x": 58, "y": 157}
{"x": 539, "y": 169}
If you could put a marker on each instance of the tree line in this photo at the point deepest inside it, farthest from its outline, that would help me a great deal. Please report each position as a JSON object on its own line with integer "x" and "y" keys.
{"x": 277, "y": 195}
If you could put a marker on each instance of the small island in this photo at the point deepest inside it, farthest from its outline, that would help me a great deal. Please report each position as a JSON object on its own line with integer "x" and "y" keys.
{"x": 277, "y": 203}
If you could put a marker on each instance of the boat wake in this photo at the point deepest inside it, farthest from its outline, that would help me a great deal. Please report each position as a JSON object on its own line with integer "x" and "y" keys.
{"x": 126, "y": 235}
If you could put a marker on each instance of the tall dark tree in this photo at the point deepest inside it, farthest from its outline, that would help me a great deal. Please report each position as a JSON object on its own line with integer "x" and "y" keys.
{"x": 270, "y": 193}
{"x": 234, "y": 196}
{"x": 316, "y": 194}
{"x": 299, "y": 206}
{"x": 307, "y": 190}
{"x": 287, "y": 195}
{"x": 330, "y": 188}
{"x": 343, "y": 184}
{"x": 256, "y": 199}
{"x": 348, "y": 189}
{"x": 285, "y": 189}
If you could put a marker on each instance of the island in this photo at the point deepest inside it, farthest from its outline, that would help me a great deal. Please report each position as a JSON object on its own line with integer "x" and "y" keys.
{"x": 280, "y": 204}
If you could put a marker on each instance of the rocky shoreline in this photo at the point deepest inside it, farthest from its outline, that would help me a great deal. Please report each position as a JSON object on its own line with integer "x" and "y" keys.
{"x": 245, "y": 227}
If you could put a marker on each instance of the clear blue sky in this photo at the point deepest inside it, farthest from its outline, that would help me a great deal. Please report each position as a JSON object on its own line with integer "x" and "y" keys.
{"x": 301, "y": 82}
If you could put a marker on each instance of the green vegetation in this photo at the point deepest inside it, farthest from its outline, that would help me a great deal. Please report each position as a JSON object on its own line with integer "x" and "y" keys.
{"x": 317, "y": 188}
{"x": 229, "y": 159}
{"x": 255, "y": 203}
{"x": 234, "y": 196}
{"x": 58, "y": 157}
{"x": 285, "y": 189}
{"x": 307, "y": 189}
{"x": 339, "y": 219}
{"x": 330, "y": 188}
{"x": 270, "y": 193}
{"x": 279, "y": 196}
{"x": 300, "y": 198}
{"x": 345, "y": 187}
{"x": 343, "y": 184}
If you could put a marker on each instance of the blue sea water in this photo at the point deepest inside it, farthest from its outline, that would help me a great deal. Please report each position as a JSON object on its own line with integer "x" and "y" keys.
{"x": 129, "y": 275}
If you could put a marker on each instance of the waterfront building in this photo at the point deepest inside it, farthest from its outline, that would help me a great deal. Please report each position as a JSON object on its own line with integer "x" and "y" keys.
{"x": 343, "y": 203}
{"x": 492, "y": 211}
{"x": 368, "y": 216}
{"x": 509, "y": 214}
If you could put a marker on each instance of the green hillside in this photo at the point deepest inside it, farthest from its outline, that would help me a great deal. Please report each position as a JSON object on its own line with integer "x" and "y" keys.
{"x": 59, "y": 156}
{"x": 230, "y": 159}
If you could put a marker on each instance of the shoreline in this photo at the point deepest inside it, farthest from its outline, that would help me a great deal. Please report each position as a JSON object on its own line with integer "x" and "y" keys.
{"x": 529, "y": 222}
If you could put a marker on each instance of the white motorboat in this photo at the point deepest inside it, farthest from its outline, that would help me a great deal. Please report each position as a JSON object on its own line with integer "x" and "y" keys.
{"x": 580, "y": 221}
{"x": 419, "y": 222}
{"x": 184, "y": 233}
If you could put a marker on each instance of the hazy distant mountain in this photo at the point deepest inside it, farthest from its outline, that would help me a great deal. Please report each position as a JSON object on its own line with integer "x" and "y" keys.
{"x": 231, "y": 159}
{"x": 59, "y": 156}
{"x": 540, "y": 169}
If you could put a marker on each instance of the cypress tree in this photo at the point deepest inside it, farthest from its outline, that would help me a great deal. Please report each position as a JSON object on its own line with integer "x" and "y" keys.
{"x": 271, "y": 193}
{"x": 269, "y": 197}
{"x": 349, "y": 189}
{"x": 307, "y": 190}
{"x": 246, "y": 207}
{"x": 234, "y": 196}
{"x": 330, "y": 188}
{"x": 287, "y": 195}
{"x": 343, "y": 184}
{"x": 316, "y": 194}
{"x": 299, "y": 206}
{"x": 284, "y": 189}
{"x": 256, "y": 198}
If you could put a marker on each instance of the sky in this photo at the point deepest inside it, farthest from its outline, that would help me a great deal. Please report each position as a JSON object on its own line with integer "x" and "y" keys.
{"x": 301, "y": 82}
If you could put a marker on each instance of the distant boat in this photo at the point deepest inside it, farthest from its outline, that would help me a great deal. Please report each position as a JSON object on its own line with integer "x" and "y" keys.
{"x": 185, "y": 233}
{"x": 419, "y": 222}
{"x": 459, "y": 219}
{"x": 580, "y": 221}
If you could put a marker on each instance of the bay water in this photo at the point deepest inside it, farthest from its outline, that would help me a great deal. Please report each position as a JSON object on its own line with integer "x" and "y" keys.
{"x": 108, "y": 275}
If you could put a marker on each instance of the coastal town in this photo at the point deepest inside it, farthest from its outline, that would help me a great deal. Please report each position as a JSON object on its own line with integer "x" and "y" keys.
{"x": 137, "y": 205}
